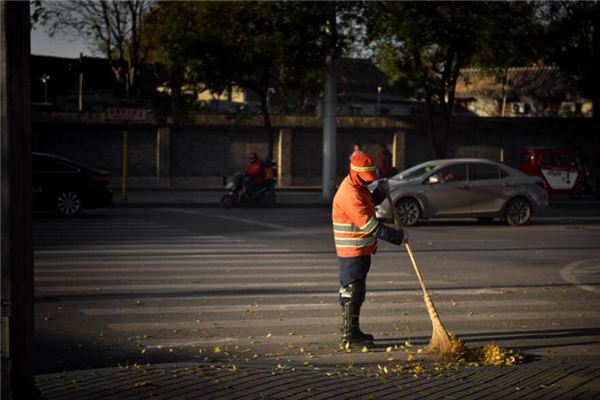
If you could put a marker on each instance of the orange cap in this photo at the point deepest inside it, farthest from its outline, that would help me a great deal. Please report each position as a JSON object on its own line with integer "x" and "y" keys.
{"x": 363, "y": 166}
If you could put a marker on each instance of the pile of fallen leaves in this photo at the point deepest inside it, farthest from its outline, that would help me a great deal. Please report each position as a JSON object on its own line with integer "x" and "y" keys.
{"x": 489, "y": 355}
{"x": 492, "y": 355}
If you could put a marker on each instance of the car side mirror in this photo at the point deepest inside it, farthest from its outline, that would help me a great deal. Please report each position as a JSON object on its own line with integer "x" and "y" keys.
{"x": 433, "y": 179}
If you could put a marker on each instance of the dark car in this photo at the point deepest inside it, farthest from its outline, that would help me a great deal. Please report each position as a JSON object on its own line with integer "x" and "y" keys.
{"x": 66, "y": 186}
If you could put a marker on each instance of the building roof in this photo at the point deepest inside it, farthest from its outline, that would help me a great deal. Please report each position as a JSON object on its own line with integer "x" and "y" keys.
{"x": 540, "y": 82}
{"x": 359, "y": 78}
{"x": 360, "y": 75}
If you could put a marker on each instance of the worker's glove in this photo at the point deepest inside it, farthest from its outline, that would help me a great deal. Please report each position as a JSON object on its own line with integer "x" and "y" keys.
{"x": 383, "y": 185}
{"x": 394, "y": 236}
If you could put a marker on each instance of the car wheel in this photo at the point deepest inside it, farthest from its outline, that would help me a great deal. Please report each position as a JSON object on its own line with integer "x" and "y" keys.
{"x": 485, "y": 220}
{"x": 228, "y": 201}
{"x": 68, "y": 203}
{"x": 518, "y": 211}
{"x": 409, "y": 211}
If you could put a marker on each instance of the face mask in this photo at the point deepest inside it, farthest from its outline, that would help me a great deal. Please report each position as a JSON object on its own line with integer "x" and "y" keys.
{"x": 363, "y": 181}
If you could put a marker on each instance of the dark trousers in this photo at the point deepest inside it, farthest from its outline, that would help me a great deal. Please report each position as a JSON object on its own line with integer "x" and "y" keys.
{"x": 353, "y": 269}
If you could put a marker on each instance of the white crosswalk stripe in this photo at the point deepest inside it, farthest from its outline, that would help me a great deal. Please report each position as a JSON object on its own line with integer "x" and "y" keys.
{"x": 285, "y": 307}
{"x": 167, "y": 288}
{"x": 161, "y": 287}
{"x": 82, "y": 276}
{"x": 320, "y": 321}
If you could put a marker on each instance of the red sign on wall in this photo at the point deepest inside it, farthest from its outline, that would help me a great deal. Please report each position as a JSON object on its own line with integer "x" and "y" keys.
{"x": 126, "y": 114}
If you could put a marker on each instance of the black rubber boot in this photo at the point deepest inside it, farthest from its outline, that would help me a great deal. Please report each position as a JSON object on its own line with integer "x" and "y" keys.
{"x": 356, "y": 322}
{"x": 351, "y": 335}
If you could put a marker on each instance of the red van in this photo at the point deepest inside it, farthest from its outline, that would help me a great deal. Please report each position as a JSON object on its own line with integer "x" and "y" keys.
{"x": 555, "y": 166}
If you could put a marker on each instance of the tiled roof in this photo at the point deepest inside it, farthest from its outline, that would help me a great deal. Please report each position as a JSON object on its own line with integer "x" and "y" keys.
{"x": 358, "y": 79}
{"x": 541, "y": 82}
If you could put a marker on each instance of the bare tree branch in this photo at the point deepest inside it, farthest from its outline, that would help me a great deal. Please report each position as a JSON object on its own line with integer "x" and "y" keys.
{"x": 112, "y": 27}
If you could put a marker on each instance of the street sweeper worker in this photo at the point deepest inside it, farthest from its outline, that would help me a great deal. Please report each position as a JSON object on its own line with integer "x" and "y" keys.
{"x": 356, "y": 231}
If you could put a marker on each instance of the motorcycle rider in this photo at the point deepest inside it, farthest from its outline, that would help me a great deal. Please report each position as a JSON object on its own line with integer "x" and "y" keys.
{"x": 253, "y": 174}
{"x": 355, "y": 232}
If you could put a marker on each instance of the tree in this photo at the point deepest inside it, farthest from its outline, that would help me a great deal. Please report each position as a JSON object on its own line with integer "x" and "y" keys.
{"x": 572, "y": 41}
{"x": 260, "y": 46}
{"x": 113, "y": 28}
{"x": 424, "y": 45}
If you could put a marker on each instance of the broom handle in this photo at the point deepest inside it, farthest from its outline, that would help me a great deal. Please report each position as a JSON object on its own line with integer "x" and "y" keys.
{"x": 408, "y": 249}
{"x": 439, "y": 332}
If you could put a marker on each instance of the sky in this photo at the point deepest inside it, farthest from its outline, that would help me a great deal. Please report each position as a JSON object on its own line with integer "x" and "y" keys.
{"x": 57, "y": 46}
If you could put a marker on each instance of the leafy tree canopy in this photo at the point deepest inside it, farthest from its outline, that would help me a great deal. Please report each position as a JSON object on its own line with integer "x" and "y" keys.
{"x": 424, "y": 45}
{"x": 261, "y": 46}
{"x": 571, "y": 32}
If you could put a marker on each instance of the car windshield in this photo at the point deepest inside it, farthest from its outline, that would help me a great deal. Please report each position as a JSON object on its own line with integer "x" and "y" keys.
{"x": 418, "y": 171}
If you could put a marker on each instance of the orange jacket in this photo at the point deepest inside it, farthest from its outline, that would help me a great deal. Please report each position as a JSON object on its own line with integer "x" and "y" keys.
{"x": 255, "y": 171}
{"x": 354, "y": 220}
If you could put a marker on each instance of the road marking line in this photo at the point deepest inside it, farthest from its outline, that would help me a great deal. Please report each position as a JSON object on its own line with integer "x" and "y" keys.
{"x": 201, "y": 260}
{"x": 150, "y": 237}
{"x": 298, "y": 270}
{"x": 199, "y": 263}
{"x": 243, "y": 308}
{"x": 330, "y": 294}
{"x": 279, "y": 254}
{"x": 245, "y": 248}
{"x": 334, "y": 321}
{"x": 235, "y": 219}
{"x": 91, "y": 230}
{"x": 567, "y": 219}
{"x": 568, "y": 273}
{"x": 434, "y": 241}
{"x": 129, "y": 288}
{"x": 588, "y": 271}
{"x": 89, "y": 248}
{"x": 202, "y": 275}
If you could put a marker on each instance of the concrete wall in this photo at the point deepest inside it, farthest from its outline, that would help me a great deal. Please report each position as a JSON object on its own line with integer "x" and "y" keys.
{"x": 201, "y": 153}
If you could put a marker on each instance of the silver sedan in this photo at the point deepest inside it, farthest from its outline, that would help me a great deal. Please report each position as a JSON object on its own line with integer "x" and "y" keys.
{"x": 464, "y": 187}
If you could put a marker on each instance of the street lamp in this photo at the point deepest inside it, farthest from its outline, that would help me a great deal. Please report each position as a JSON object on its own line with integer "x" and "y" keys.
{"x": 378, "y": 100}
{"x": 45, "y": 78}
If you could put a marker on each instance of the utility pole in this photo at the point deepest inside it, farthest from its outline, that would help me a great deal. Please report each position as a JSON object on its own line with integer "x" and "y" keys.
{"x": 80, "y": 102}
{"x": 16, "y": 217}
{"x": 330, "y": 114}
{"x": 45, "y": 78}
{"x": 378, "y": 100}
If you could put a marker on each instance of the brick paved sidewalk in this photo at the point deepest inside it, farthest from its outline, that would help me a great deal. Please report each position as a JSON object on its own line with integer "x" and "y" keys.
{"x": 253, "y": 381}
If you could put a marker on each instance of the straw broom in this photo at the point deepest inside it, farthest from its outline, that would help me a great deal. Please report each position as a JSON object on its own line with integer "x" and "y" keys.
{"x": 440, "y": 340}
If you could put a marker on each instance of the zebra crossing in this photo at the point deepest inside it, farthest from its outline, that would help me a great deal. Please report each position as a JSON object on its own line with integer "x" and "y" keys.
{"x": 166, "y": 287}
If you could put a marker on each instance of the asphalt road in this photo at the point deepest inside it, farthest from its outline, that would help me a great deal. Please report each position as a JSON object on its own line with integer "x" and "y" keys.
{"x": 126, "y": 286}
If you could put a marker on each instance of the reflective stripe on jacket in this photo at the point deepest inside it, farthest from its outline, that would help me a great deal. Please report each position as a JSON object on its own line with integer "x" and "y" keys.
{"x": 354, "y": 220}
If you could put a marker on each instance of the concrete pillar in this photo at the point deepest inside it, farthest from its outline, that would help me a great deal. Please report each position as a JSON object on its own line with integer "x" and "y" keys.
{"x": 330, "y": 114}
{"x": 284, "y": 158}
{"x": 16, "y": 217}
{"x": 329, "y": 131}
{"x": 399, "y": 150}
{"x": 163, "y": 156}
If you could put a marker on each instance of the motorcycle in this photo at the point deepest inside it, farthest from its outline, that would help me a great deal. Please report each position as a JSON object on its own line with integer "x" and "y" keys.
{"x": 241, "y": 192}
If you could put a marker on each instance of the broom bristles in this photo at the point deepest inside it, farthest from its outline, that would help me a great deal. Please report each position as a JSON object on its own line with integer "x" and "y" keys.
{"x": 440, "y": 340}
